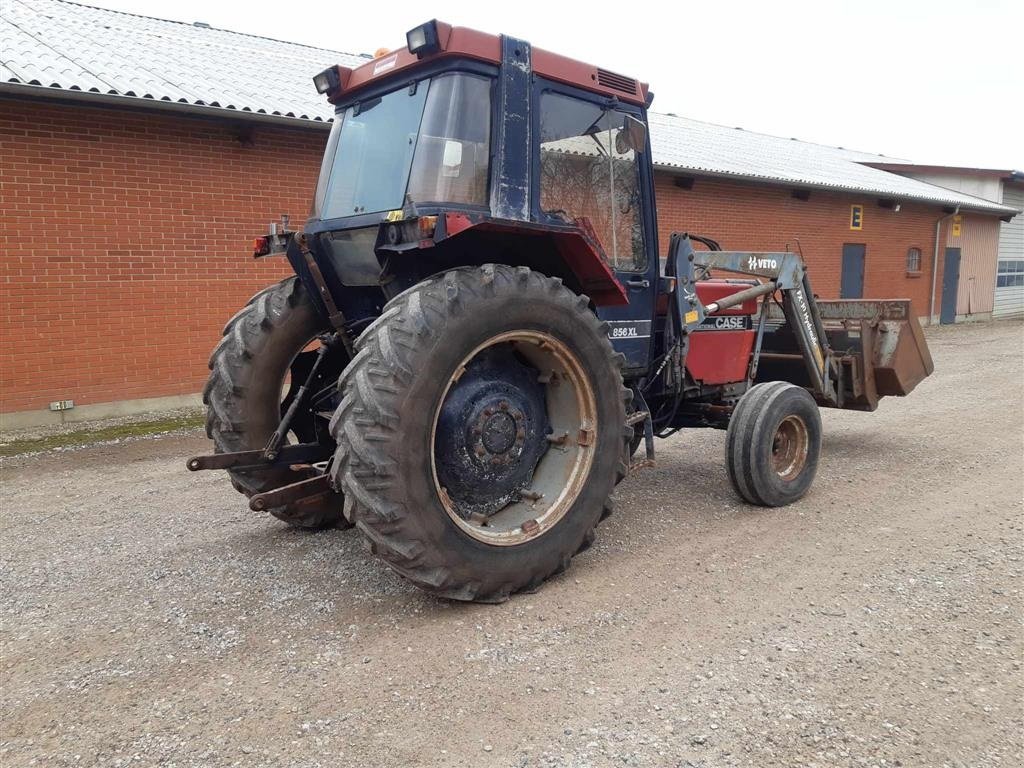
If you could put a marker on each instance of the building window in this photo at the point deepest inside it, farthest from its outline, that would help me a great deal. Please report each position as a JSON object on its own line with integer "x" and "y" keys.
{"x": 1011, "y": 274}
{"x": 914, "y": 260}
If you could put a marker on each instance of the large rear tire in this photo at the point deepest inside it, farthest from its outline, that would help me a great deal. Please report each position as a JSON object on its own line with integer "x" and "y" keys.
{"x": 442, "y": 393}
{"x": 248, "y": 371}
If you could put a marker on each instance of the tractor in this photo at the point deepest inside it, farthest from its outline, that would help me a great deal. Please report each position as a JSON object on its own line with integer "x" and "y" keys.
{"x": 480, "y": 339}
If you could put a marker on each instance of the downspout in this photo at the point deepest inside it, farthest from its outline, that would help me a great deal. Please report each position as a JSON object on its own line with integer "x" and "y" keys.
{"x": 935, "y": 265}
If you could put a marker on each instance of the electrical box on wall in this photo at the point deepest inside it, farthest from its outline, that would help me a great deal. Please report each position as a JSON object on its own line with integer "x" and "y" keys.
{"x": 62, "y": 405}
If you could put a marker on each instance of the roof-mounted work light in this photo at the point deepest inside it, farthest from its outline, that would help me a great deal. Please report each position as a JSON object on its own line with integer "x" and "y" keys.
{"x": 327, "y": 81}
{"x": 423, "y": 40}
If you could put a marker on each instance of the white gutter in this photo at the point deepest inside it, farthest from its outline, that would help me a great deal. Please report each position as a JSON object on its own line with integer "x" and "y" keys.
{"x": 143, "y": 104}
{"x": 935, "y": 265}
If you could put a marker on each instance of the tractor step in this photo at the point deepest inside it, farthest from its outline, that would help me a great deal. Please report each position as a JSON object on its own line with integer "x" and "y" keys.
{"x": 636, "y": 417}
{"x": 642, "y": 416}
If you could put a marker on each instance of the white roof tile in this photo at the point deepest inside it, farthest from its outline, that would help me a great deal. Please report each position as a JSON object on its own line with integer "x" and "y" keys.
{"x": 681, "y": 144}
{"x": 64, "y": 45}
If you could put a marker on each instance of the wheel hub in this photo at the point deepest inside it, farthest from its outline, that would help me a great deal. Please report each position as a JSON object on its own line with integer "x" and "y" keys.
{"x": 499, "y": 432}
{"x": 491, "y": 433}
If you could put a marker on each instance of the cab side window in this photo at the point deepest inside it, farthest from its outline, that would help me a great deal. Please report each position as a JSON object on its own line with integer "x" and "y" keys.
{"x": 589, "y": 176}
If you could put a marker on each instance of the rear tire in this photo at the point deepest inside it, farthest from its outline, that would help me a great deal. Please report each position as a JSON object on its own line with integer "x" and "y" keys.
{"x": 387, "y": 461}
{"x": 243, "y": 393}
{"x": 773, "y": 444}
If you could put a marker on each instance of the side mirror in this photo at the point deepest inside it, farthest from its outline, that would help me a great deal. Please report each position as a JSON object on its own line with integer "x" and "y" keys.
{"x": 632, "y": 135}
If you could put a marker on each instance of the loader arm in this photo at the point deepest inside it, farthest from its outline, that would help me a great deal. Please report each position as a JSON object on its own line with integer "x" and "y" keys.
{"x": 847, "y": 353}
{"x": 784, "y": 273}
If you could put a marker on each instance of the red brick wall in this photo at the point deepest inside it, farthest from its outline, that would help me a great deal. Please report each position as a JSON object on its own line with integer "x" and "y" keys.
{"x": 755, "y": 217}
{"x": 125, "y": 244}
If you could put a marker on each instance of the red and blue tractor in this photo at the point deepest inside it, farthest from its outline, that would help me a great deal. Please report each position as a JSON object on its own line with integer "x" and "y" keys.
{"x": 480, "y": 339}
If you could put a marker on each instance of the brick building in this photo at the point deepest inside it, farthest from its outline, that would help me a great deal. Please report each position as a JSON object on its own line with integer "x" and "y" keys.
{"x": 130, "y": 200}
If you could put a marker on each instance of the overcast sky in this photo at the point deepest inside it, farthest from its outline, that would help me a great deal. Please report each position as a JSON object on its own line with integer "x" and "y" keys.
{"x": 934, "y": 81}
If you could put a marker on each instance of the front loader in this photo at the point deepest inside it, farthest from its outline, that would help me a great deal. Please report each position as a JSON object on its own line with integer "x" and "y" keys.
{"x": 480, "y": 336}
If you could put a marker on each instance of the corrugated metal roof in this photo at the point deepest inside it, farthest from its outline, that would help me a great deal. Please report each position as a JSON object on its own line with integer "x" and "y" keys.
{"x": 97, "y": 53}
{"x": 681, "y": 144}
{"x": 55, "y": 44}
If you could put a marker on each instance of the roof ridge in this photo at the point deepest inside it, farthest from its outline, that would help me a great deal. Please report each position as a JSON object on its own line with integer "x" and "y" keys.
{"x": 776, "y": 136}
{"x": 193, "y": 25}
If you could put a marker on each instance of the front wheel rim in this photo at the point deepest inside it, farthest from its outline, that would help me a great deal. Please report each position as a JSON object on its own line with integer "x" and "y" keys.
{"x": 567, "y": 452}
{"x": 790, "y": 446}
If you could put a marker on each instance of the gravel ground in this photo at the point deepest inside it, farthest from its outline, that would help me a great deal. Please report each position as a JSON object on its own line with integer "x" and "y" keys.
{"x": 149, "y": 619}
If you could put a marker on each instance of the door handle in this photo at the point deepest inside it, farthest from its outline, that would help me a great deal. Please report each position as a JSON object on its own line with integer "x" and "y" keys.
{"x": 638, "y": 282}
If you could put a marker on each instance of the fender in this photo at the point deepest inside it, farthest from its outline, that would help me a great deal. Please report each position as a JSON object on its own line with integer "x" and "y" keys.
{"x": 576, "y": 244}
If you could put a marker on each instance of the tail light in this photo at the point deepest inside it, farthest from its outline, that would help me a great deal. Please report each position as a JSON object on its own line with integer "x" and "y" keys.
{"x": 427, "y": 225}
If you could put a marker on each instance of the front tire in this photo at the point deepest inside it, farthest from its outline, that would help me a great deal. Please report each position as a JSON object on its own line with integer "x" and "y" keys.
{"x": 433, "y": 470}
{"x": 773, "y": 444}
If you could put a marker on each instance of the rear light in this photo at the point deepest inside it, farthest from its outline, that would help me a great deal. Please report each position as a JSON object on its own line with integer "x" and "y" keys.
{"x": 411, "y": 232}
{"x": 427, "y": 225}
{"x": 260, "y": 246}
{"x": 423, "y": 40}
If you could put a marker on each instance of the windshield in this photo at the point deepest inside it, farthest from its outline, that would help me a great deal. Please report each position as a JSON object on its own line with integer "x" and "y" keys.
{"x": 423, "y": 143}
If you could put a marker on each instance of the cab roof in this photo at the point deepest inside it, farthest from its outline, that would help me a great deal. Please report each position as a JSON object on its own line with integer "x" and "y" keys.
{"x": 462, "y": 42}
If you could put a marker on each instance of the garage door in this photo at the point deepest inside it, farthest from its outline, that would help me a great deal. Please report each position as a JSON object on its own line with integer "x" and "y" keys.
{"x": 1009, "y": 299}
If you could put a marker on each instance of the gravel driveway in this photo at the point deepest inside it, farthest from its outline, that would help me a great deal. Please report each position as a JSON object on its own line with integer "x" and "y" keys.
{"x": 148, "y": 618}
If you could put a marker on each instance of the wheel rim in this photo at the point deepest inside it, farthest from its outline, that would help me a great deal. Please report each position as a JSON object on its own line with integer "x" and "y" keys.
{"x": 506, "y": 469}
{"x": 789, "y": 447}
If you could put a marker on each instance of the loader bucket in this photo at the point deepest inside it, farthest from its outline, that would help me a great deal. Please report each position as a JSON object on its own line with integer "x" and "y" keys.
{"x": 880, "y": 346}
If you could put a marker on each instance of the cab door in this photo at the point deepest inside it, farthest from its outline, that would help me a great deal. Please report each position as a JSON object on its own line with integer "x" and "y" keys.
{"x": 594, "y": 171}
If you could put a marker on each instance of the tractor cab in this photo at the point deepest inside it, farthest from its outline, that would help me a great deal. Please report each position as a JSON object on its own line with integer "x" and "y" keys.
{"x": 467, "y": 146}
